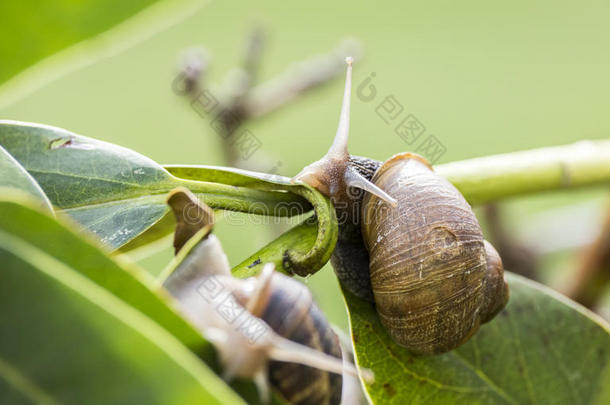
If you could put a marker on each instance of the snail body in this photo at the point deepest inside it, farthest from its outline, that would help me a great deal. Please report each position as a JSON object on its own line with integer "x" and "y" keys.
{"x": 409, "y": 242}
{"x": 266, "y": 328}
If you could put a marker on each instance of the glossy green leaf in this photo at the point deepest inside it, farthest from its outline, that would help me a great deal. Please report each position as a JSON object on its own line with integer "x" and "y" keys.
{"x": 14, "y": 176}
{"x": 80, "y": 329}
{"x": 229, "y": 175}
{"x": 54, "y": 26}
{"x": 541, "y": 349}
{"x": 124, "y": 280}
{"x": 116, "y": 193}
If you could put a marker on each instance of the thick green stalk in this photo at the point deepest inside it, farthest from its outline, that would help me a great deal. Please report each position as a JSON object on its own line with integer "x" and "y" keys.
{"x": 491, "y": 178}
{"x": 250, "y": 200}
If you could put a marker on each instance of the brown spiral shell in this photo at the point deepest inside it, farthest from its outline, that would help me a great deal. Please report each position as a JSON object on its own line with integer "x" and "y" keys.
{"x": 289, "y": 309}
{"x": 428, "y": 259}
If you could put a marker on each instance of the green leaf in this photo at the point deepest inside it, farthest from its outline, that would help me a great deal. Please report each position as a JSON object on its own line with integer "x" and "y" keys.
{"x": 229, "y": 175}
{"x": 542, "y": 348}
{"x": 116, "y": 193}
{"x": 71, "y": 332}
{"x": 122, "y": 279}
{"x": 302, "y": 250}
{"x": 54, "y": 26}
{"x": 13, "y": 175}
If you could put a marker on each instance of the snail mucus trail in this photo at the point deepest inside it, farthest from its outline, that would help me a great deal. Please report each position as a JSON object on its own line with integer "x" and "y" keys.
{"x": 409, "y": 242}
{"x": 280, "y": 337}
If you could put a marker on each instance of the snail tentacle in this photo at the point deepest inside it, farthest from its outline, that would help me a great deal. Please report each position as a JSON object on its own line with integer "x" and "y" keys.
{"x": 256, "y": 302}
{"x": 331, "y": 175}
{"x": 262, "y": 385}
{"x": 339, "y": 146}
{"x": 354, "y": 179}
{"x": 287, "y": 351}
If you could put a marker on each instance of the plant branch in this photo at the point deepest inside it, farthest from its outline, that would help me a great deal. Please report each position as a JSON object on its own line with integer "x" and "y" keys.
{"x": 516, "y": 255}
{"x": 492, "y": 178}
{"x": 586, "y": 284}
{"x": 240, "y": 100}
{"x": 299, "y": 78}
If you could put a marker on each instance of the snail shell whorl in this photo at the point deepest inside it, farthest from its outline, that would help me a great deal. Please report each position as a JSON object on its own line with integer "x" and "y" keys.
{"x": 291, "y": 312}
{"x": 496, "y": 289}
{"x": 428, "y": 265}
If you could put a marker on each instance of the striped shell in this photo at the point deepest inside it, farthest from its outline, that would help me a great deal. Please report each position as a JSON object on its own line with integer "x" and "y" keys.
{"x": 428, "y": 260}
{"x": 290, "y": 311}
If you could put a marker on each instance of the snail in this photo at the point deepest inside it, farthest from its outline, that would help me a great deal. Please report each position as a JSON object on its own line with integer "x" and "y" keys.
{"x": 266, "y": 328}
{"x": 409, "y": 242}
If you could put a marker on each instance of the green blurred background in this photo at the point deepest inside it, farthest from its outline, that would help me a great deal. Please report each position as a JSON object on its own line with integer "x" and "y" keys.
{"x": 482, "y": 77}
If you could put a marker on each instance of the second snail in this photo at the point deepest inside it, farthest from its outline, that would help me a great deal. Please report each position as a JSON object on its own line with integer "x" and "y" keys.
{"x": 265, "y": 328}
{"x": 410, "y": 243}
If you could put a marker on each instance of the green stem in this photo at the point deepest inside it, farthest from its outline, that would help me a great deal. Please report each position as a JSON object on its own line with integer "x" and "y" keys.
{"x": 491, "y": 178}
{"x": 243, "y": 199}
{"x": 262, "y": 194}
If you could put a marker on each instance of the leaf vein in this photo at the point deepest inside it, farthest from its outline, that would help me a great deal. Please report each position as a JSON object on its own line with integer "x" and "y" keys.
{"x": 25, "y": 385}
